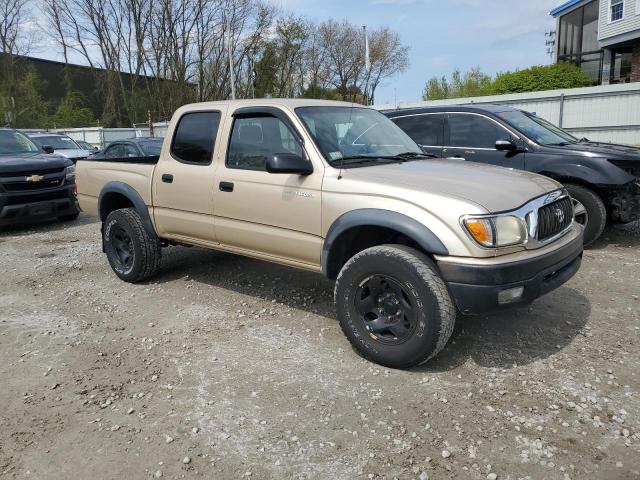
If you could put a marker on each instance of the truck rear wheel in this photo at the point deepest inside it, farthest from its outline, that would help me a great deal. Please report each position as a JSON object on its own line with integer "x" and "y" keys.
{"x": 134, "y": 255}
{"x": 393, "y": 306}
{"x": 596, "y": 214}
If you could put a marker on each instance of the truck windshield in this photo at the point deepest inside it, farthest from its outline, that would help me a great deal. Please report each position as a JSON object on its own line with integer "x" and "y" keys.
{"x": 57, "y": 142}
{"x": 538, "y": 129}
{"x": 355, "y": 135}
{"x": 15, "y": 142}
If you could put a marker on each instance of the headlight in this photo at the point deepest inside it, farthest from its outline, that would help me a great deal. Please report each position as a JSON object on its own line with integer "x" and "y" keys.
{"x": 499, "y": 231}
{"x": 71, "y": 171}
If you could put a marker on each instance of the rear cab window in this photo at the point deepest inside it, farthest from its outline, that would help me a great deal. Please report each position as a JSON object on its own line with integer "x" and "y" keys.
{"x": 195, "y": 137}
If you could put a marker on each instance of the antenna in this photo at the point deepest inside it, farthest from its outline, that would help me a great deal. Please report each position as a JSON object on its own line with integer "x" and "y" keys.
{"x": 550, "y": 42}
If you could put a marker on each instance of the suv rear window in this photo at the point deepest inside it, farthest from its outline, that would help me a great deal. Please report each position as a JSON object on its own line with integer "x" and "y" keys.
{"x": 195, "y": 137}
{"x": 426, "y": 130}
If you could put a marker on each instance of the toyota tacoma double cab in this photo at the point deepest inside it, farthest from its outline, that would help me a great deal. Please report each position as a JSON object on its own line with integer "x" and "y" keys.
{"x": 33, "y": 185}
{"x": 602, "y": 178}
{"x": 339, "y": 189}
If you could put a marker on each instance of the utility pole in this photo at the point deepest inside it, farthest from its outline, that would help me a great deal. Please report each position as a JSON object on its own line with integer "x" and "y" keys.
{"x": 232, "y": 77}
{"x": 150, "y": 123}
{"x": 367, "y": 63}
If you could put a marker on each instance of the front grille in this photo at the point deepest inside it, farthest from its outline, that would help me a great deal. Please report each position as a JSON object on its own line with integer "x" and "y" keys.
{"x": 28, "y": 173}
{"x": 30, "y": 186}
{"x": 554, "y": 218}
{"x": 38, "y": 197}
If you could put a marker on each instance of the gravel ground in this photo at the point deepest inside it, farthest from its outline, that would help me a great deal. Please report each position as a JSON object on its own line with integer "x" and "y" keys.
{"x": 227, "y": 367}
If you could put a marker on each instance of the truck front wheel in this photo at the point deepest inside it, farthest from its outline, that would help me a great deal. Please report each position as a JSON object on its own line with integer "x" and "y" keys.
{"x": 393, "y": 306}
{"x": 134, "y": 254}
{"x": 596, "y": 214}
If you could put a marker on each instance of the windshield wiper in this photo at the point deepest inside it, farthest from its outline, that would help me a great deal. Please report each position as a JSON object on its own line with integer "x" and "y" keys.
{"x": 413, "y": 155}
{"x": 368, "y": 159}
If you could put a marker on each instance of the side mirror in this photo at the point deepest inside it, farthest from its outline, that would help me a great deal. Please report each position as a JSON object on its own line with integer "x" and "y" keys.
{"x": 47, "y": 149}
{"x": 288, "y": 163}
{"x": 507, "y": 146}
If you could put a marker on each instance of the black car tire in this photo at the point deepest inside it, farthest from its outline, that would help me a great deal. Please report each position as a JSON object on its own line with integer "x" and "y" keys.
{"x": 596, "y": 211}
{"x": 134, "y": 254}
{"x": 427, "y": 329}
{"x": 69, "y": 218}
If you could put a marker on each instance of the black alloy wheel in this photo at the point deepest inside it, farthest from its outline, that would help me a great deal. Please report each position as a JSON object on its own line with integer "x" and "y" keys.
{"x": 387, "y": 309}
{"x": 122, "y": 246}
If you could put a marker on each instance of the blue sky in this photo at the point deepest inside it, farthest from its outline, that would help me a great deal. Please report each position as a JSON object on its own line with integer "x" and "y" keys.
{"x": 443, "y": 35}
{"x": 496, "y": 35}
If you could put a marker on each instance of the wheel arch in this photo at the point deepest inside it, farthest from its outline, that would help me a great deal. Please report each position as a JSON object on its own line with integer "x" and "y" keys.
{"x": 361, "y": 229}
{"x": 116, "y": 195}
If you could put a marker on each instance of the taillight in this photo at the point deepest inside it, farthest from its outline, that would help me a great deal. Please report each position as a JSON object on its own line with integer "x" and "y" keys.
{"x": 75, "y": 185}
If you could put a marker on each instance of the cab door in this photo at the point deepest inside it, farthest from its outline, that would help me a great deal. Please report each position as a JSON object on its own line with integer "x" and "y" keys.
{"x": 472, "y": 137}
{"x": 426, "y": 129}
{"x": 271, "y": 214}
{"x": 183, "y": 183}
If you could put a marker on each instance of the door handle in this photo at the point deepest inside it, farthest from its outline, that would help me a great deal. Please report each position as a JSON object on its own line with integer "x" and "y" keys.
{"x": 167, "y": 178}
{"x": 226, "y": 186}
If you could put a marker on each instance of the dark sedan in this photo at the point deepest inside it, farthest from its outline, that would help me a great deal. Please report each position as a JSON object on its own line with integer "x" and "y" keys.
{"x": 602, "y": 178}
{"x": 129, "y": 148}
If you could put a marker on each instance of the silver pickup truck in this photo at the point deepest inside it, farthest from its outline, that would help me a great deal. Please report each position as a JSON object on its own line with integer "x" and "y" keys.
{"x": 339, "y": 189}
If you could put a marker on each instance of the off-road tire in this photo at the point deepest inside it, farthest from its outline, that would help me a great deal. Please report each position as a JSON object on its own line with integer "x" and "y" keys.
{"x": 417, "y": 274}
{"x": 145, "y": 247}
{"x": 69, "y": 218}
{"x": 596, "y": 211}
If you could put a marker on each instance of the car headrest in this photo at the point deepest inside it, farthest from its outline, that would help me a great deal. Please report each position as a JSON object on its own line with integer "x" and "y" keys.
{"x": 250, "y": 133}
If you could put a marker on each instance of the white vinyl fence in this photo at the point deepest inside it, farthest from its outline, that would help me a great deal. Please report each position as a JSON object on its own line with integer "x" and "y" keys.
{"x": 608, "y": 113}
{"x": 101, "y": 137}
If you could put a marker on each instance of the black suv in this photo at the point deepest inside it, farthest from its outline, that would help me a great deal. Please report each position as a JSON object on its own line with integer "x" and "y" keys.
{"x": 33, "y": 184}
{"x": 603, "y": 179}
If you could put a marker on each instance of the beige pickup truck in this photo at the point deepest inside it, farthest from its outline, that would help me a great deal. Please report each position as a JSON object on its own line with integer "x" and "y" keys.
{"x": 339, "y": 189}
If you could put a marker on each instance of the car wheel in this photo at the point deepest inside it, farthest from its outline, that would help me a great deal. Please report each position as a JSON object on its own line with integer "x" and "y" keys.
{"x": 589, "y": 210}
{"x": 393, "y": 306}
{"x": 134, "y": 255}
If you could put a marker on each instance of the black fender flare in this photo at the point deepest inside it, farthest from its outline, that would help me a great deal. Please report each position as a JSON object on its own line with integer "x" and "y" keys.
{"x": 133, "y": 196}
{"x": 399, "y": 222}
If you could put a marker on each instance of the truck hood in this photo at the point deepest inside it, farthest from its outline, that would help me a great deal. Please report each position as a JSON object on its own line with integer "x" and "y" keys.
{"x": 74, "y": 153}
{"x": 595, "y": 149}
{"x": 496, "y": 189}
{"x": 31, "y": 162}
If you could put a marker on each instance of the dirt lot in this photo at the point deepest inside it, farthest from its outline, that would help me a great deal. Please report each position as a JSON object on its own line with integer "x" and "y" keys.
{"x": 226, "y": 367}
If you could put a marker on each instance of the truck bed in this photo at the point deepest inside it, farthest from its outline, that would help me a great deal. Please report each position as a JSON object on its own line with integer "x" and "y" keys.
{"x": 93, "y": 174}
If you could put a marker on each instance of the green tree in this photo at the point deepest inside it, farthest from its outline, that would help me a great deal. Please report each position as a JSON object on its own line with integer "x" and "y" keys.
{"x": 72, "y": 112}
{"x": 548, "y": 77}
{"x": 21, "y": 104}
{"x": 473, "y": 83}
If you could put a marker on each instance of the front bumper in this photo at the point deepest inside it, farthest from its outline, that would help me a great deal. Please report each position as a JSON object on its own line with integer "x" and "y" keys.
{"x": 21, "y": 208}
{"x": 625, "y": 203}
{"x": 476, "y": 287}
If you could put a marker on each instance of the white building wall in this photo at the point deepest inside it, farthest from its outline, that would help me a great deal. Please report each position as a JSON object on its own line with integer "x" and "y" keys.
{"x": 630, "y": 21}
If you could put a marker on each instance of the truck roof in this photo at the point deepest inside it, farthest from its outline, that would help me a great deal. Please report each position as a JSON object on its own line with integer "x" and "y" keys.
{"x": 276, "y": 102}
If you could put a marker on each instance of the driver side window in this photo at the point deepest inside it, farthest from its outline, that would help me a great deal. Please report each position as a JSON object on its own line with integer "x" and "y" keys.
{"x": 254, "y": 138}
{"x": 114, "y": 151}
{"x": 474, "y": 131}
